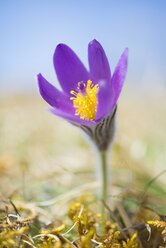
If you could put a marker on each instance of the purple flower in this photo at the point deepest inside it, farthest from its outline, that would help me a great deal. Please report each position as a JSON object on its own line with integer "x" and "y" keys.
{"x": 87, "y": 97}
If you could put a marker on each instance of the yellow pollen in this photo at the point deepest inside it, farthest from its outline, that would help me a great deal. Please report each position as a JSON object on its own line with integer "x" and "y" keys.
{"x": 85, "y": 102}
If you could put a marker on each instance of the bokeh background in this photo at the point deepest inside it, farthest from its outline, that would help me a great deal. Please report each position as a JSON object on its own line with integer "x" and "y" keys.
{"x": 30, "y": 30}
{"x": 42, "y": 156}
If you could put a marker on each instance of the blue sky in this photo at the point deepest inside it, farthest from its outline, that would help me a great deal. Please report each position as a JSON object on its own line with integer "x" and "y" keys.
{"x": 30, "y": 31}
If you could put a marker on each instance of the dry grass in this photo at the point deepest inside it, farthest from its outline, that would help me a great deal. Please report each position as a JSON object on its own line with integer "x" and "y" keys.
{"x": 46, "y": 162}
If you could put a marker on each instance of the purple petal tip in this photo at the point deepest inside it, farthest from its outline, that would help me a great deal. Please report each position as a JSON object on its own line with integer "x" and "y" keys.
{"x": 94, "y": 42}
{"x": 126, "y": 51}
{"x": 60, "y": 46}
{"x": 39, "y": 79}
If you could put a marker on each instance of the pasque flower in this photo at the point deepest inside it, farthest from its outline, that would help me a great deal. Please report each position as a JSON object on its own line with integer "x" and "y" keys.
{"x": 88, "y": 97}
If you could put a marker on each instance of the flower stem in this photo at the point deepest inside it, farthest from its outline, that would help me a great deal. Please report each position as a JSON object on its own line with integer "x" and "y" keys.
{"x": 104, "y": 179}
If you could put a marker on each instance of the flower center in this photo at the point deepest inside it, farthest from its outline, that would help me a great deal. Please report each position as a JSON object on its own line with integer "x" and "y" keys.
{"x": 85, "y": 100}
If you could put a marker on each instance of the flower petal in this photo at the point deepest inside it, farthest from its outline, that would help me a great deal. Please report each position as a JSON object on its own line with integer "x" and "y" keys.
{"x": 104, "y": 99}
{"x": 71, "y": 117}
{"x": 119, "y": 76}
{"x": 69, "y": 68}
{"x": 98, "y": 62}
{"x": 53, "y": 96}
{"x": 109, "y": 92}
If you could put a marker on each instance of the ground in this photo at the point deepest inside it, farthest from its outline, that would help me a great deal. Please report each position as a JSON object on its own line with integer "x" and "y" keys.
{"x": 46, "y": 163}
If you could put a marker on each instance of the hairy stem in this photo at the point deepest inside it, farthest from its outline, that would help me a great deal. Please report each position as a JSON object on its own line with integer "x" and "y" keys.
{"x": 104, "y": 179}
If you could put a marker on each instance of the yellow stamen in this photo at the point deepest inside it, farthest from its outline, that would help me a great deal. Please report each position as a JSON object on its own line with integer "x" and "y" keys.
{"x": 85, "y": 102}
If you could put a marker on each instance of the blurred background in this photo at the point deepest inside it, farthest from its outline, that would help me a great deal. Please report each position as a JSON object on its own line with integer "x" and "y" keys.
{"x": 39, "y": 151}
{"x": 30, "y": 31}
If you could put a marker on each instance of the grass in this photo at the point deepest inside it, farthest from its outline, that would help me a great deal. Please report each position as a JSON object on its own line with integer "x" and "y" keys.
{"x": 48, "y": 178}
